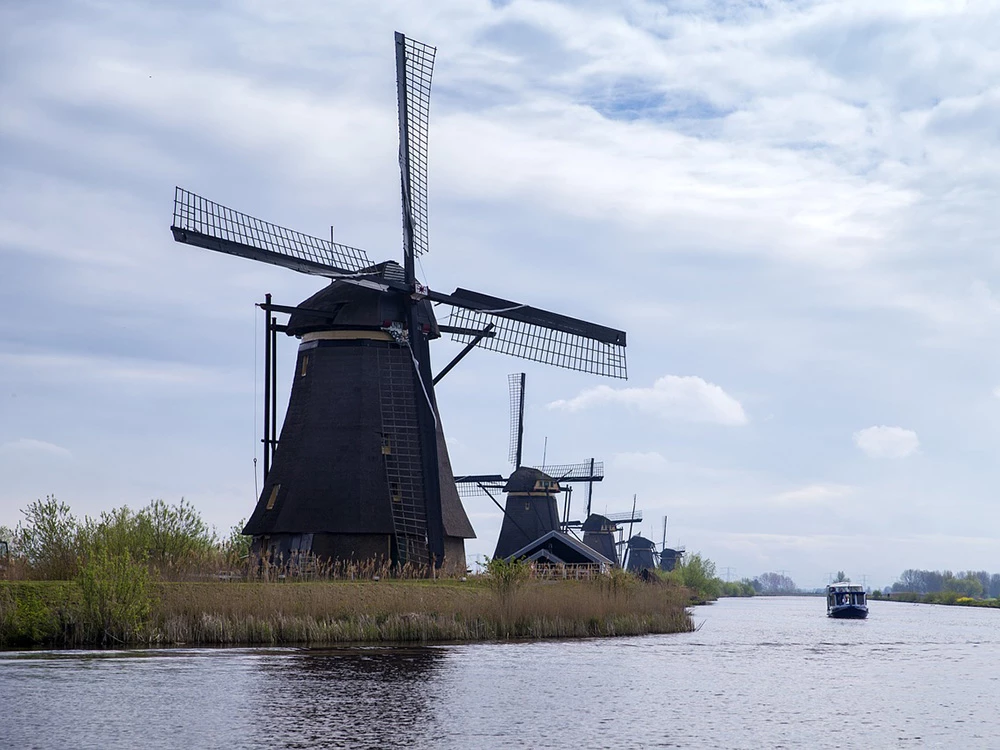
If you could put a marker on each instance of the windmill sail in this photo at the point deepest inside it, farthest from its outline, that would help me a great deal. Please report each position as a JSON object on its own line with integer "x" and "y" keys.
{"x": 538, "y": 335}
{"x": 204, "y": 223}
{"x": 515, "y": 384}
{"x": 414, "y": 68}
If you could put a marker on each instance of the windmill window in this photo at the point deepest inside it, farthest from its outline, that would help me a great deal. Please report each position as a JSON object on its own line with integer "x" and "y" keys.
{"x": 305, "y": 363}
{"x": 274, "y": 496}
{"x": 527, "y": 506}
{"x": 386, "y": 446}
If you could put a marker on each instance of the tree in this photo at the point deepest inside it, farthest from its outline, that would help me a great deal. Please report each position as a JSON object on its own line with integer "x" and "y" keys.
{"x": 775, "y": 583}
{"x": 841, "y": 576}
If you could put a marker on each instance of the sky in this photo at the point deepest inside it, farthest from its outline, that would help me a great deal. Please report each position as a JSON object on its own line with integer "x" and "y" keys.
{"x": 789, "y": 207}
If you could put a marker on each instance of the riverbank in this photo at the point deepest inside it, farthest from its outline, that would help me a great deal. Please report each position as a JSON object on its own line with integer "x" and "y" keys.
{"x": 56, "y": 613}
{"x": 949, "y": 598}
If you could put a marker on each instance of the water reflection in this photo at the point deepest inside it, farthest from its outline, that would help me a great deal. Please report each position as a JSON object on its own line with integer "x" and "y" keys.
{"x": 374, "y": 697}
{"x": 760, "y": 673}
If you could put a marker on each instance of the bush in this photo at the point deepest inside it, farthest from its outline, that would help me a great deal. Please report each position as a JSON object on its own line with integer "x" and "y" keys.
{"x": 698, "y": 574}
{"x": 48, "y": 539}
{"x": 116, "y": 596}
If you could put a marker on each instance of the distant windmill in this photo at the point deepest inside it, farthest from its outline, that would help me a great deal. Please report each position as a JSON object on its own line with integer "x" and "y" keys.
{"x": 669, "y": 558}
{"x": 361, "y": 470}
{"x": 531, "y": 509}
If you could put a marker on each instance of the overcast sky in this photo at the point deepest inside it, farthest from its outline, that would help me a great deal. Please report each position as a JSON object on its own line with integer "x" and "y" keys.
{"x": 789, "y": 206}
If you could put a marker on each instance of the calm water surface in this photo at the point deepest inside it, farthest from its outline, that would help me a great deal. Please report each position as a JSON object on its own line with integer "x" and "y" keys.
{"x": 759, "y": 673}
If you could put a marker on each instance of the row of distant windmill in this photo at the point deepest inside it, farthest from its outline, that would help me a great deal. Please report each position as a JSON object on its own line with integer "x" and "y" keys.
{"x": 361, "y": 467}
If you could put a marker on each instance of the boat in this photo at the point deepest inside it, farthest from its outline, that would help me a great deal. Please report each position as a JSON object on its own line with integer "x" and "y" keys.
{"x": 846, "y": 600}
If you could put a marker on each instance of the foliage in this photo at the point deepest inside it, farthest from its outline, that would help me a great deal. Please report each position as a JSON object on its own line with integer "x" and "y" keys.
{"x": 178, "y": 537}
{"x": 970, "y": 584}
{"x": 738, "y": 588}
{"x": 841, "y": 577}
{"x": 116, "y": 594}
{"x": 505, "y": 577}
{"x": 47, "y": 539}
{"x": 236, "y": 547}
{"x": 774, "y": 584}
{"x": 38, "y": 614}
{"x": 51, "y": 544}
{"x": 698, "y": 574}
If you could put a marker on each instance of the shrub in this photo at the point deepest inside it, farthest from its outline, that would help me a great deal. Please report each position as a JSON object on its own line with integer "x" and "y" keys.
{"x": 48, "y": 539}
{"x": 116, "y": 595}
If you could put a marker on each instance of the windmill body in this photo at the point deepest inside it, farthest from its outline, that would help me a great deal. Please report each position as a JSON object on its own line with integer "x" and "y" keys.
{"x": 640, "y": 554}
{"x": 346, "y": 479}
{"x": 531, "y": 510}
{"x": 599, "y": 534}
{"x": 361, "y": 468}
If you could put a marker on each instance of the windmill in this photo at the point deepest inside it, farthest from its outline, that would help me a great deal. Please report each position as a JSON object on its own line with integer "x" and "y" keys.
{"x": 669, "y": 558}
{"x": 361, "y": 468}
{"x": 531, "y": 509}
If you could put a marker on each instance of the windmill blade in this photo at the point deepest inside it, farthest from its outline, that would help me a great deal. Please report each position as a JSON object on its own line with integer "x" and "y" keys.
{"x": 538, "y": 335}
{"x": 204, "y": 223}
{"x": 574, "y": 472}
{"x": 515, "y": 384}
{"x": 414, "y": 67}
{"x": 476, "y": 485}
{"x": 628, "y": 517}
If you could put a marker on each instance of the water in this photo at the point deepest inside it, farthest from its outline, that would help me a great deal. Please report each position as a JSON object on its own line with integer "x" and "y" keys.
{"x": 759, "y": 673}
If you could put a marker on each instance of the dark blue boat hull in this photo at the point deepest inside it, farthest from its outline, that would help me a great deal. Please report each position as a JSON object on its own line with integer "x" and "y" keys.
{"x": 849, "y": 612}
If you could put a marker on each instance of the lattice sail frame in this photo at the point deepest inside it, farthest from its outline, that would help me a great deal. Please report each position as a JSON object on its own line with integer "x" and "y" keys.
{"x": 537, "y": 343}
{"x": 476, "y": 489}
{"x": 414, "y": 119}
{"x": 574, "y": 472}
{"x": 515, "y": 385}
{"x": 241, "y": 234}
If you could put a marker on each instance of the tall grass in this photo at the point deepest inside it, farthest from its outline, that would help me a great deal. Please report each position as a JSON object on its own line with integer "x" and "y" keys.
{"x": 318, "y": 613}
{"x": 161, "y": 576}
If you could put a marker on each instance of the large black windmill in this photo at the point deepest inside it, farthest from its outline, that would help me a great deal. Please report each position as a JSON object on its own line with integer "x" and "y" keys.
{"x": 531, "y": 509}
{"x": 361, "y": 469}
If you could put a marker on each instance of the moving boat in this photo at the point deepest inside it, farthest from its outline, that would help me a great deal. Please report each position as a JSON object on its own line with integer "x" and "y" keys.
{"x": 846, "y": 600}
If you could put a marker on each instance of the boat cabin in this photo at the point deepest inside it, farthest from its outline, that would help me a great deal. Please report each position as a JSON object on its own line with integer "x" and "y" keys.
{"x": 846, "y": 600}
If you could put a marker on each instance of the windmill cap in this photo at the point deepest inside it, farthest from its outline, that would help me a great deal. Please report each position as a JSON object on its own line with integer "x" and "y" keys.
{"x": 640, "y": 542}
{"x": 528, "y": 479}
{"x": 597, "y": 522}
{"x": 359, "y": 307}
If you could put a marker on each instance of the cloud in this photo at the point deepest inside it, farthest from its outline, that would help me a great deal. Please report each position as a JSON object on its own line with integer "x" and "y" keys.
{"x": 813, "y": 494}
{"x": 887, "y": 442}
{"x": 30, "y": 445}
{"x": 685, "y": 398}
{"x": 639, "y": 461}
{"x": 119, "y": 370}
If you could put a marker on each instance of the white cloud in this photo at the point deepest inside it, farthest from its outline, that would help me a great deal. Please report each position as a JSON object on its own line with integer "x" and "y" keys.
{"x": 30, "y": 445}
{"x": 120, "y": 370}
{"x": 887, "y": 442}
{"x": 813, "y": 494}
{"x": 639, "y": 461}
{"x": 673, "y": 397}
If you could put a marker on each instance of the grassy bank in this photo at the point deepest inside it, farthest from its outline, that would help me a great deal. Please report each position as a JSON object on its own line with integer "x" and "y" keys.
{"x": 941, "y": 597}
{"x": 57, "y": 614}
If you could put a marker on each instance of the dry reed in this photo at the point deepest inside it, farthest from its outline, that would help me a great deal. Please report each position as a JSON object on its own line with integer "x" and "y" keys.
{"x": 407, "y": 611}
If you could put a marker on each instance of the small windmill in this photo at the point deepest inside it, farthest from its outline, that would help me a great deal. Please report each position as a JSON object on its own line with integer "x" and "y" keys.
{"x": 361, "y": 469}
{"x": 670, "y": 558}
{"x": 531, "y": 509}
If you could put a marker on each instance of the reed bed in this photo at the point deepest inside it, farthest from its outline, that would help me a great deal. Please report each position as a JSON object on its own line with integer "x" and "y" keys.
{"x": 336, "y": 612}
{"x": 408, "y": 611}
